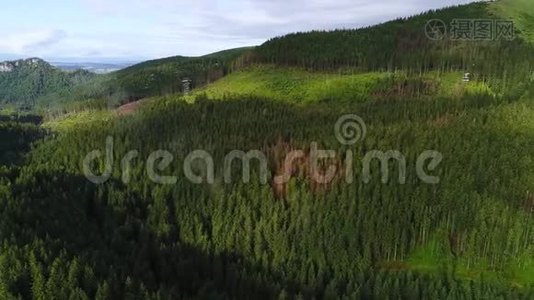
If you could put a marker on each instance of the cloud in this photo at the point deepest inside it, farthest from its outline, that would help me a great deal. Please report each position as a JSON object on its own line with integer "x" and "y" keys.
{"x": 158, "y": 28}
{"x": 265, "y": 18}
{"x": 249, "y": 22}
{"x": 28, "y": 41}
{"x": 137, "y": 7}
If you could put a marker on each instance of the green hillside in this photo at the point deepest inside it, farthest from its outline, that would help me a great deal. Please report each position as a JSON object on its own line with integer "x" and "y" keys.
{"x": 164, "y": 76}
{"x": 147, "y": 79}
{"x": 356, "y": 240}
{"x": 22, "y": 82}
{"x": 396, "y": 45}
{"x": 17, "y": 133}
{"x": 393, "y": 46}
{"x": 298, "y": 86}
{"x": 294, "y": 85}
{"x": 403, "y": 44}
{"x": 521, "y": 11}
{"x": 468, "y": 235}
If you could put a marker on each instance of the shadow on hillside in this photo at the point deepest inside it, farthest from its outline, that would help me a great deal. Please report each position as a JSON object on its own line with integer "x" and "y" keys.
{"x": 30, "y": 119}
{"x": 17, "y": 134}
{"x": 106, "y": 228}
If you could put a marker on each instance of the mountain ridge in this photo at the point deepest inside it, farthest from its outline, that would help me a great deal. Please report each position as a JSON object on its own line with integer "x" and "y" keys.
{"x": 10, "y": 65}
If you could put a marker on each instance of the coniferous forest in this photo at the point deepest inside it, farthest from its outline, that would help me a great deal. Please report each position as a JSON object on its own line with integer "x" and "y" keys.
{"x": 469, "y": 235}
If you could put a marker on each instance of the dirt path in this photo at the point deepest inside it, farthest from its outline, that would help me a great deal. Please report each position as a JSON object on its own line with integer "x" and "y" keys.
{"x": 130, "y": 108}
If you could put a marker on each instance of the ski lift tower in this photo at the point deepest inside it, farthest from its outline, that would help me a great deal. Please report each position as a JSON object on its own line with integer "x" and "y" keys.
{"x": 186, "y": 86}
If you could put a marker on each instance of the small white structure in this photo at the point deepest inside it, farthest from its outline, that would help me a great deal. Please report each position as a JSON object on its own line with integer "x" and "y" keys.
{"x": 467, "y": 77}
{"x": 186, "y": 86}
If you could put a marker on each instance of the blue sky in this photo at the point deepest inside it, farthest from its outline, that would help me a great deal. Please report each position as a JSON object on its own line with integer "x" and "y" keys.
{"x": 100, "y": 30}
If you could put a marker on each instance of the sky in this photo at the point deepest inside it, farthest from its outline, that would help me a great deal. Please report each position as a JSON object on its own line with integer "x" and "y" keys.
{"x": 134, "y": 30}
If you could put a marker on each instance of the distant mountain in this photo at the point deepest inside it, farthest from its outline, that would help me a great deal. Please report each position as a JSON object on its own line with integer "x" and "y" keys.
{"x": 34, "y": 83}
{"x": 98, "y": 68}
{"x": 22, "y": 82}
{"x": 163, "y": 76}
{"x": 146, "y": 79}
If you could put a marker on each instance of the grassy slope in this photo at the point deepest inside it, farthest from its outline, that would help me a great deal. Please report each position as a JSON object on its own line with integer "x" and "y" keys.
{"x": 72, "y": 121}
{"x": 293, "y": 85}
{"x": 296, "y": 85}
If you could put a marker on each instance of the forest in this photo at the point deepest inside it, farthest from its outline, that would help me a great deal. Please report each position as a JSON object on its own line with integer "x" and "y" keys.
{"x": 147, "y": 79}
{"x": 470, "y": 236}
{"x": 241, "y": 240}
{"x": 30, "y": 79}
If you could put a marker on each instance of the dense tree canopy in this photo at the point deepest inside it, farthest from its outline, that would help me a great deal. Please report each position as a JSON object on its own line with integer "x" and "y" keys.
{"x": 24, "y": 81}
{"x": 238, "y": 240}
{"x": 468, "y": 236}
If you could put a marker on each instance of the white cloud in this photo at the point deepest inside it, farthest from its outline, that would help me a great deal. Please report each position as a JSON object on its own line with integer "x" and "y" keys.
{"x": 33, "y": 40}
{"x": 262, "y": 19}
{"x": 157, "y": 28}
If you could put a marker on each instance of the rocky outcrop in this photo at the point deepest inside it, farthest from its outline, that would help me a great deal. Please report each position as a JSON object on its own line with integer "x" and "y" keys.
{"x": 6, "y": 67}
{"x": 9, "y": 66}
